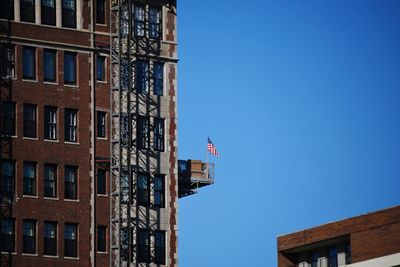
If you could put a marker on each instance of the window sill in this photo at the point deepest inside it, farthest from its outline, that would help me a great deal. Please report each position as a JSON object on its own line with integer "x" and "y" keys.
{"x": 51, "y": 198}
{"x": 29, "y": 196}
{"x": 6, "y": 253}
{"x": 71, "y": 85}
{"x": 102, "y": 138}
{"x": 50, "y": 83}
{"x": 102, "y": 81}
{"x": 52, "y": 140}
{"x": 71, "y": 258}
{"x": 72, "y": 200}
{"x": 29, "y": 80}
{"x": 102, "y": 252}
{"x": 30, "y": 255}
{"x": 30, "y": 138}
{"x": 101, "y": 24}
{"x": 71, "y": 143}
{"x": 51, "y": 256}
{"x": 102, "y": 195}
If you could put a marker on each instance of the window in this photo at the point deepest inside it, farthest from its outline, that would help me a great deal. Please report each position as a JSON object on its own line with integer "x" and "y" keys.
{"x": 101, "y": 124}
{"x": 159, "y": 240}
{"x": 49, "y": 12}
{"x": 29, "y": 237}
{"x": 332, "y": 260}
{"x": 27, "y": 10}
{"x": 159, "y": 196}
{"x": 50, "y": 180}
{"x": 30, "y": 120}
{"x": 71, "y": 176}
{"x": 8, "y": 118}
{"x": 69, "y": 68}
{"x": 348, "y": 253}
{"x": 139, "y": 20}
{"x": 101, "y": 68}
{"x": 158, "y": 134}
{"x": 50, "y": 238}
{"x": 50, "y": 123}
{"x": 49, "y": 65}
{"x": 158, "y": 78}
{"x": 141, "y": 78}
{"x": 314, "y": 260}
{"x": 101, "y": 182}
{"x": 8, "y": 177}
{"x": 29, "y": 62}
{"x": 144, "y": 245}
{"x": 7, "y": 9}
{"x": 71, "y": 125}
{"x": 70, "y": 237}
{"x": 69, "y": 13}
{"x": 8, "y": 52}
{"x": 7, "y": 235}
{"x": 143, "y": 189}
{"x": 154, "y": 23}
{"x": 101, "y": 238}
{"x": 100, "y": 12}
{"x": 29, "y": 178}
{"x": 143, "y": 135}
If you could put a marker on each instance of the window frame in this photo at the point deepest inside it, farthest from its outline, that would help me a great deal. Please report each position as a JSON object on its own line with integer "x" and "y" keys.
{"x": 144, "y": 252}
{"x": 7, "y": 9}
{"x": 157, "y": 25}
{"x": 30, "y": 120}
{"x": 29, "y": 182}
{"x": 101, "y": 124}
{"x": 71, "y": 185}
{"x": 160, "y": 191}
{"x": 101, "y": 17}
{"x": 7, "y": 246}
{"x": 158, "y": 78}
{"x": 53, "y": 182}
{"x": 9, "y": 119}
{"x": 139, "y": 21}
{"x": 8, "y": 181}
{"x": 8, "y": 71}
{"x": 53, "y": 61}
{"x": 143, "y": 194}
{"x": 102, "y": 241}
{"x": 52, "y": 240}
{"x": 71, "y": 125}
{"x": 159, "y": 134}
{"x": 101, "y": 183}
{"x": 160, "y": 249}
{"x": 101, "y": 68}
{"x": 71, "y": 243}
{"x": 73, "y": 56}
{"x": 29, "y": 240}
{"x": 50, "y": 123}
{"x": 29, "y": 64}
{"x": 142, "y": 79}
{"x": 67, "y": 14}
{"x": 143, "y": 132}
{"x": 48, "y": 14}
{"x": 27, "y": 11}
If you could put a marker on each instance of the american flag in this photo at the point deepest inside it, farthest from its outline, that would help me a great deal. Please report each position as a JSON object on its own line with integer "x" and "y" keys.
{"x": 212, "y": 148}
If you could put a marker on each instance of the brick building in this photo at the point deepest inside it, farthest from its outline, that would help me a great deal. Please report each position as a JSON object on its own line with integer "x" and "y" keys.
{"x": 370, "y": 240}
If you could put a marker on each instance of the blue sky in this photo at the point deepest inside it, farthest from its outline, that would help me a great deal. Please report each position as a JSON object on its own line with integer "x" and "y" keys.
{"x": 301, "y": 98}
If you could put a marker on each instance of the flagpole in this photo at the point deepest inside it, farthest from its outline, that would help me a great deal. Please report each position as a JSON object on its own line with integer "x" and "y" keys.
{"x": 207, "y": 161}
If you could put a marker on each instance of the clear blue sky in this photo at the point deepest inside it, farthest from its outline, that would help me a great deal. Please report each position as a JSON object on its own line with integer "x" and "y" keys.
{"x": 302, "y": 99}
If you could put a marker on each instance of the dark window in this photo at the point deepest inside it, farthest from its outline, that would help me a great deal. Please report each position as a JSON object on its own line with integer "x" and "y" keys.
{"x": 8, "y": 52}
{"x": 29, "y": 120}
{"x": 69, "y": 13}
{"x": 101, "y": 238}
{"x": 7, "y": 9}
{"x": 101, "y": 124}
{"x": 50, "y": 180}
{"x": 49, "y": 12}
{"x": 70, "y": 240}
{"x": 101, "y": 181}
{"x": 154, "y": 23}
{"x": 159, "y": 196}
{"x": 8, "y": 177}
{"x": 144, "y": 245}
{"x": 139, "y": 20}
{"x": 348, "y": 253}
{"x": 69, "y": 68}
{"x": 50, "y": 123}
{"x": 143, "y": 135}
{"x": 29, "y": 178}
{"x": 101, "y": 68}
{"x": 314, "y": 260}
{"x": 141, "y": 78}
{"x": 70, "y": 125}
{"x": 7, "y": 235}
{"x": 159, "y": 240}
{"x": 49, "y": 65}
{"x": 29, "y": 62}
{"x": 100, "y": 12}
{"x": 27, "y": 10}
{"x": 143, "y": 189}
{"x": 29, "y": 237}
{"x": 158, "y": 78}
{"x": 8, "y": 118}
{"x": 158, "y": 134}
{"x": 50, "y": 238}
{"x": 71, "y": 182}
{"x": 332, "y": 260}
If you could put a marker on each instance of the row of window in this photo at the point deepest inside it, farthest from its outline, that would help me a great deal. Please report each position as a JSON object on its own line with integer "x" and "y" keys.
{"x": 50, "y": 237}
{"x": 48, "y": 11}
{"x": 331, "y": 254}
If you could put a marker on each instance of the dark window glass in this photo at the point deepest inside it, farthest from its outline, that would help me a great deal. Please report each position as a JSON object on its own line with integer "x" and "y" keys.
{"x": 70, "y": 240}
{"x": 29, "y": 120}
{"x": 71, "y": 125}
{"x": 69, "y": 68}
{"x": 332, "y": 260}
{"x": 101, "y": 238}
{"x": 348, "y": 253}
{"x": 101, "y": 181}
{"x": 159, "y": 253}
{"x": 8, "y": 68}
{"x": 101, "y": 68}
{"x": 143, "y": 135}
{"x": 100, "y": 12}
{"x": 69, "y": 13}
{"x": 50, "y": 180}
{"x": 314, "y": 260}
{"x": 8, "y": 118}
{"x": 29, "y": 62}
{"x": 139, "y": 20}
{"x": 7, "y": 235}
{"x": 8, "y": 177}
{"x": 50, "y": 123}
{"x": 49, "y": 12}
{"x": 71, "y": 182}
{"x": 7, "y": 9}
{"x": 141, "y": 76}
{"x": 159, "y": 196}
{"x": 143, "y": 190}
{"x": 27, "y": 10}
{"x": 144, "y": 246}
{"x": 49, "y": 65}
{"x": 158, "y": 78}
{"x": 158, "y": 134}
{"x": 29, "y": 178}
{"x": 154, "y": 23}
{"x": 101, "y": 124}
{"x": 29, "y": 237}
{"x": 50, "y": 238}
